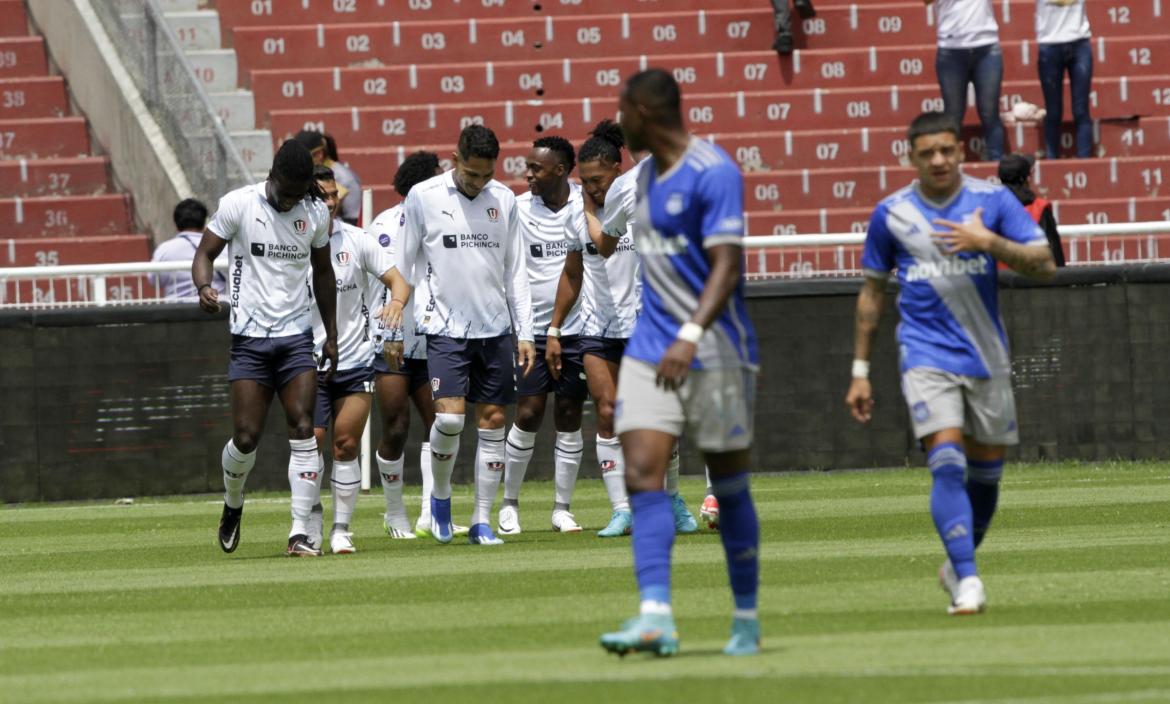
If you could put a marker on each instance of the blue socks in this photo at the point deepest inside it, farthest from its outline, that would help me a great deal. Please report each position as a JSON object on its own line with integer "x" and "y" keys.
{"x": 983, "y": 492}
{"x": 740, "y": 531}
{"x": 653, "y": 537}
{"x": 949, "y": 506}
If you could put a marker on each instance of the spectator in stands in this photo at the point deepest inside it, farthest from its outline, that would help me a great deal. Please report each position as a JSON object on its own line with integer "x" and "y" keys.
{"x": 324, "y": 151}
{"x": 969, "y": 52}
{"x": 1014, "y": 173}
{"x": 1062, "y": 31}
{"x": 783, "y": 43}
{"x": 190, "y": 218}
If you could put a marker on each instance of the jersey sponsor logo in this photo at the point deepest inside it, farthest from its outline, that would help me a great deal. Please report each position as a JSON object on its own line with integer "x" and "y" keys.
{"x": 549, "y": 249}
{"x": 675, "y": 203}
{"x": 257, "y": 249}
{"x": 592, "y": 249}
{"x": 731, "y": 224}
{"x": 300, "y": 226}
{"x": 343, "y": 258}
{"x": 655, "y": 243}
{"x": 451, "y": 241}
{"x": 477, "y": 240}
{"x": 384, "y": 240}
{"x": 237, "y": 279}
{"x": 493, "y": 214}
{"x": 951, "y": 266}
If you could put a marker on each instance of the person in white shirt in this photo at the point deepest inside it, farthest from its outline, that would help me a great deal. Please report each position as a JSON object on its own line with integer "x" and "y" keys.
{"x": 462, "y": 241}
{"x": 1062, "y": 31}
{"x": 344, "y": 390}
{"x": 324, "y": 151}
{"x": 275, "y": 232}
{"x": 397, "y": 388}
{"x": 544, "y": 212}
{"x": 969, "y": 53}
{"x": 190, "y": 218}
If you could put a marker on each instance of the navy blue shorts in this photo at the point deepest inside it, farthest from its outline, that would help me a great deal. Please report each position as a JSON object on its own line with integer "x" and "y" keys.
{"x": 608, "y": 348}
{"x": 479, "y": 370}
{"x": 414, "y": 369}
{"x": 540, "y": 381}
{"x": 272, "y": 361}
{"x": 344, "y": 383}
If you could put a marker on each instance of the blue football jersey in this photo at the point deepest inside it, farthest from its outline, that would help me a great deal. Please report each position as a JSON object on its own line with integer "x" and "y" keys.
{"x": 697, "y": 204}
{"x": 948, "y": 303}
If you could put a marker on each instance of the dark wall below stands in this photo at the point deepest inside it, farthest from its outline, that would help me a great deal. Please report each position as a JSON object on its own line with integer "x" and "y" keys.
{"x": 132, "y": 402}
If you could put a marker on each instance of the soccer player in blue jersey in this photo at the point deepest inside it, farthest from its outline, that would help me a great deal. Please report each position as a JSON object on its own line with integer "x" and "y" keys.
{"x": 943, "y": 234}
{"x": 691, "y": 362}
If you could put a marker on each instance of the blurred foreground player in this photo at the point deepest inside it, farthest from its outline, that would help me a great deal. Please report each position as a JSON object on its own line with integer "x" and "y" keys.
{"x": 691, "y": 362}
{"x": 943, "y": 234}
{"x": 276, "y": 230}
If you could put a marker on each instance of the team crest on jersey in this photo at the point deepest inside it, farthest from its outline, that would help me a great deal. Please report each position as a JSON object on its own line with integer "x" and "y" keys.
{"x": 493, "y": 214}
{"x": 384, "y": 240}
{"x": 300, "y": 226}
{"x": 343, "y": 258}
{"x": 402, "y": 219}
{"x": 921, "y": 411}
{"x": 435, "y": 385}
{"x": 675, "y": 204}
{"x": 308, "y": 476}
{"x": 495, "y": 466}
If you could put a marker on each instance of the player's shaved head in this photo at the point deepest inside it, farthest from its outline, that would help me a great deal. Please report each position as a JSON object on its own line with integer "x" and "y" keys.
{"x": 291, "y": 177}
{"x": 651, "y": 100}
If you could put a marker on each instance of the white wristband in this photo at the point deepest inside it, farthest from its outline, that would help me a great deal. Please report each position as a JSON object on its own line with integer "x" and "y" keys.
{"x": 860, "y": 369}
{"x": 690, "y": 332}
{"x": 554, "y": 332}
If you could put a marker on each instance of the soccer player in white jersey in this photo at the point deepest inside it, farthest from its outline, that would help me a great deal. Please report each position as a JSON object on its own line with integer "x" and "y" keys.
{"x": 544, "y": 211}
{"x": 944, "y": 233}
{"x": 343, "y": 397}
{"x": 396, "y": 388}
{"x": 275, "y": 231}
{"x": 462, "y": 240}
{"x": 691, "y": 361}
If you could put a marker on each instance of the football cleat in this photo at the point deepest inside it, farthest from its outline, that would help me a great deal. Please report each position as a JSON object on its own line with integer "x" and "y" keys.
{"x": 441, "y": 520}
{"x": 422, "y": 527}
{"x": 684, "y": 520}
{"x": 948, "y": 580}
{"x": 509, "y": 520}
{"x": 565, "y": 522}
{"x": 299, "y": 546}
{"x": 649, "y": 633}
{"x": 316, "y": 526}
{"x": 458, "y": 530}
{"x": 969, "y": 597}
{"x": 399, "y": 533}
{"x": 229, "y": 528}
{"x": 745, "y": 637}
{"x": 709, "y": 512}
{"x": 619, "y": 524}
{"x": 481, "y": 534}
{"x": 341, "y": 542}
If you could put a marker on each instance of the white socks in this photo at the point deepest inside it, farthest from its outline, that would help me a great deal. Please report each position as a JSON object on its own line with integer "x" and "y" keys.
{"x": 489, "y": 468}
{"x": 444, "y": 448}
{"x": 613, "y": 471}
{"x": 567, "y": 457}
{"x": 672, "y": 473}
{"x": 236, "y": 465}
{"x": 391, "y": 473}
{"x": 346, "y": 482}
{"x": 428, "y": 482}
{"x": 304, "y": 469}
{"x": 519, "y": 449}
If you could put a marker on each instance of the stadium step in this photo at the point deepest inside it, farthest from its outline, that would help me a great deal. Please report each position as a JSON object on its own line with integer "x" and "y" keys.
{"x": 53, "y": 251}
{"x": 43, "y": 138}
{"x": 61, "y": 216}
{"x": 195, "y": 29}
{"x": 15, "y": 22}
{"x": 43, "y": 177}
{"x": 22, "y": 56}
{"x": 33, "y": 96}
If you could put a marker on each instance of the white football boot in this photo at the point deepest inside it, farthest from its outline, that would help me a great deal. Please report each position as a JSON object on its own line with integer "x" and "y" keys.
{"x": 509, "y": 520}
{"x": 969, "y": 597}
{"x": 564, "y": 522}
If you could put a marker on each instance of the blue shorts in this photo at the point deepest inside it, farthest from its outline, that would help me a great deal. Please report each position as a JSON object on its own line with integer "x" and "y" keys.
{"x": 479, "y": 370}
{"x": 540, "y": 382}
{"x": 344, "y": 383}
{"x": 272, "y": 361}
{"x": 610, "y": 349}
{"x": 414, "y": 369}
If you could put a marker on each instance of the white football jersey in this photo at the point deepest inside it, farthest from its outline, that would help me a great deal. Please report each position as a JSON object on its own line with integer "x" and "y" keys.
{"x": 356, "y": 257}
{"x": 469, "y": 253}
{"x": 269, "y": 282}
{"x": 386, "y": 230}
{"x": 545, "y": 247}
{"x": 610, "y": 288}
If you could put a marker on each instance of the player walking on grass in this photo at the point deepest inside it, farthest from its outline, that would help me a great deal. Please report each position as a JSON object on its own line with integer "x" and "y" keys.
{"x": 691, "y": 362}
{"x": 462, "y": 235}
{"x": 544, "y": 212}
{"x": 276, "y": 231}
{"x": 397, "y": 388}
{"x": 943, "y": 234}
{"x": 343, "y": 390}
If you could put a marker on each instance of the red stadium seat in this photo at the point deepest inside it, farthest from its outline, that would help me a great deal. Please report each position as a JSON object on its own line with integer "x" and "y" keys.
{"x": 41, "y": 96}
{"x": 22, "y": 56}
{"x": 15, "y": 22}
{"x": 100, "y": 249}
{"x": 42, "y": 177}
{"x": 43, "y": 138}
{"x": 59, "y": 216}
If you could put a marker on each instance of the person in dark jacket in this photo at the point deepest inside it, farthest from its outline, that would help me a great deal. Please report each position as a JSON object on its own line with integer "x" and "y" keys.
{"x": 1014, "y": 173}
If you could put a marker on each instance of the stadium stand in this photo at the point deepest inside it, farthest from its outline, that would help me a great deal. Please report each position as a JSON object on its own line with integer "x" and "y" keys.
{"x": 58, "y": 204}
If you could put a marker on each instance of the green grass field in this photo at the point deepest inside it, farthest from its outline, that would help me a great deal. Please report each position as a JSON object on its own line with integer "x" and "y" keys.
{"x": 114, "y": 603}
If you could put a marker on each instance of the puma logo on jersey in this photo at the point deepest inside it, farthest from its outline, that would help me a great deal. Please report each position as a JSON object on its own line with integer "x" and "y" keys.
{"x": 449, "y": 213}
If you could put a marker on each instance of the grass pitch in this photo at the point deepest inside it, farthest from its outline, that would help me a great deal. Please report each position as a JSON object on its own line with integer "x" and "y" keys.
{"x": 117, "y": 603}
